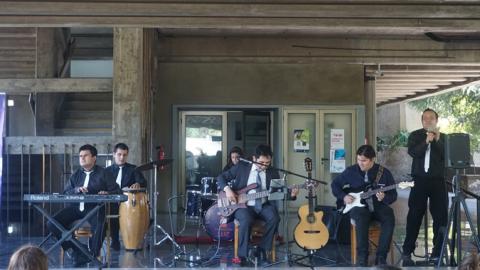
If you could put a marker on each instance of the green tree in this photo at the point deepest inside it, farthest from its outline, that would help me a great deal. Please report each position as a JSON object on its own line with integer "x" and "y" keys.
{"x": 462, "y": 109}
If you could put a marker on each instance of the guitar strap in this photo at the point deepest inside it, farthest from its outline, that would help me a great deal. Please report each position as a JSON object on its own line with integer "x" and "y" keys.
{"x": 379, "y": 174}
{"x": 369, "y": 200}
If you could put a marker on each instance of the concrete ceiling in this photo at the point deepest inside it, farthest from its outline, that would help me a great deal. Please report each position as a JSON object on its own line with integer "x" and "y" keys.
{"x": 445, "y": 56}
{"x": 405, "y": 82}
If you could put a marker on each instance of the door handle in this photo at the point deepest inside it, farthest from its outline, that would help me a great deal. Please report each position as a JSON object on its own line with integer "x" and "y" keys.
{"x": 324, "y": 159}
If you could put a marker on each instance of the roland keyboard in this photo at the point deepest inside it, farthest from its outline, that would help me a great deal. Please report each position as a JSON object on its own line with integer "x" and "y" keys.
{"x": 75, "y": 198}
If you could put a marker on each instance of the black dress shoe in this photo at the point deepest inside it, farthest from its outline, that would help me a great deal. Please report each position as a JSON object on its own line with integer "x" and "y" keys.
{"x": 407, "y": 261}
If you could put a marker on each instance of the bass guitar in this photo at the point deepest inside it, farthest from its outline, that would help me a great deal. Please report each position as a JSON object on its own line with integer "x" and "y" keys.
{"x": 310, "y": 232}
{"x": 226, "y": 208}
{"x": 359, "y": 196}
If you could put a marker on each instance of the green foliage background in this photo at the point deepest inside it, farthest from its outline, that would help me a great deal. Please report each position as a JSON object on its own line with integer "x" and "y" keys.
{"x": 461, "y": 107}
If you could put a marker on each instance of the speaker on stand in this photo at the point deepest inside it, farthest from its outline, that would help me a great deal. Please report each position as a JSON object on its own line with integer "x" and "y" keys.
{"x": 457, "y": 156}
{"x": 457, "y": 151}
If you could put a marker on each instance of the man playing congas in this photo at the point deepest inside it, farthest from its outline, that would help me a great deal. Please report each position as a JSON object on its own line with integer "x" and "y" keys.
{"x": 126, "y": 176}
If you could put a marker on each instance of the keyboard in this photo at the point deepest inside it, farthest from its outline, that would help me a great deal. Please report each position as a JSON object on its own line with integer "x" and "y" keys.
{"x": 75, "y": 198}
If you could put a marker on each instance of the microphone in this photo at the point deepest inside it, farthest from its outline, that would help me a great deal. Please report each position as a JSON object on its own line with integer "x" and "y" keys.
{"x": 432, "y": 130}
{"x": 246, "y": 160}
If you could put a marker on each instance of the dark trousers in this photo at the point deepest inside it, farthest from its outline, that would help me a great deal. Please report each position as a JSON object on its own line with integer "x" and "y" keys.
{"x": 71, "y": 214}
{"x": 362, "y": 217}
{"x": 247, "y": 216}
{"x": 424, "y": 189}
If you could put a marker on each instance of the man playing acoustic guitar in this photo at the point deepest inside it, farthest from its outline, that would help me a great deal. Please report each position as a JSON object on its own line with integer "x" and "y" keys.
{"x": 364, "y": 175}
{"x": 244, "y": 174}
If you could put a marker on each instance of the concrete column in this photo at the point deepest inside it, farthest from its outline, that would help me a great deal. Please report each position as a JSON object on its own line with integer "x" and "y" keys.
{"x": 47, "y": 66}
{"x": 370, "y": 111}
{"x": 130, "y": 111}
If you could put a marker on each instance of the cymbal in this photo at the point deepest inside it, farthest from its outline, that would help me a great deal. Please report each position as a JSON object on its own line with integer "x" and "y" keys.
{"x": 150, "y": 165}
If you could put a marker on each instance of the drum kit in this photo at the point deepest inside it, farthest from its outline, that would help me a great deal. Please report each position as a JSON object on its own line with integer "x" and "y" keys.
{"x": 201, "y": 207}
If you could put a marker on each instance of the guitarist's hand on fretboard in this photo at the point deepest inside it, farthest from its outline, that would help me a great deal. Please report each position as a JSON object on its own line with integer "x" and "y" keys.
{"x": 380, "y": 196}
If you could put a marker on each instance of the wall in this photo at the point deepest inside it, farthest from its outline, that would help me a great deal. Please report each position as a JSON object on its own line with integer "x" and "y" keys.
{"x": 248, "y": 84}
{"x": 20, "y": 119}
{"x": 389, "y": 120}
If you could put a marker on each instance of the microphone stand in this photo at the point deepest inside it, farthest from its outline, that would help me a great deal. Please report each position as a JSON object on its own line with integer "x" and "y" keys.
{"x": 285, "y": 171}
{"x": 285, "y": 206}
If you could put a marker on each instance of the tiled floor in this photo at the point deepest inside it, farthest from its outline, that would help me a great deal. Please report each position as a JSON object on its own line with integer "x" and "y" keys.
{"x": 219, "y": 255}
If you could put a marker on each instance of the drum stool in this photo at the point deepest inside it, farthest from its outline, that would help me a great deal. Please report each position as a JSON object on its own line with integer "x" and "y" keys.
{"x": 373, "y": 237}
{"x": 256, "y": 234}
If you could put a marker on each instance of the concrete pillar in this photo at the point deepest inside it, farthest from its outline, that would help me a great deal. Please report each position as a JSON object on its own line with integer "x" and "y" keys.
{"x": 131, "y": 84}
{"x": 46, "y": 104}
{"x": 370, "y": 111}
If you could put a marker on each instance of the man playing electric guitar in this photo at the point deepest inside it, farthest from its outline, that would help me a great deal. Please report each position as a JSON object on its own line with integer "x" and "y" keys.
{"x": 366, "y": 173}
{"x": 245, "y": 174}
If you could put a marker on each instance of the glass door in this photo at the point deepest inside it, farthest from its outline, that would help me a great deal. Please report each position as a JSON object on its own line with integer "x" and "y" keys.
{"x": 328, "y": 138}
{"x": 300, "y": 142}
{"x": 203, "y": 147}
{"x": 338, "y": 142}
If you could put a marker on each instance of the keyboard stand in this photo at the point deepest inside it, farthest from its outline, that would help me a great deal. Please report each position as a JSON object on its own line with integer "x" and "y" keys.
{"x": 67, "y": 235}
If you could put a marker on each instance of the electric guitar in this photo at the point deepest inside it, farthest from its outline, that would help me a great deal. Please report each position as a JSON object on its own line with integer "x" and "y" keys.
{"x": 359, "y": 196}
{"x": 226, "y": 208}
{"x": 310, "y": 232}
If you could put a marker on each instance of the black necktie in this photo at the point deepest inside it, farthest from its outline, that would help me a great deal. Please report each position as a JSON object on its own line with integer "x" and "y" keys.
{"x": 258, "y": 202}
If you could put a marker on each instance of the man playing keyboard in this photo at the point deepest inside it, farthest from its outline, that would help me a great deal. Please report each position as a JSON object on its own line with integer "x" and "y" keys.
{"x": 88, "y": 179}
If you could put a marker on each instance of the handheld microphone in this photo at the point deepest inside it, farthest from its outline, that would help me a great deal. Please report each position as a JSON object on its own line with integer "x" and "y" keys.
{"x": 245, "y": 160}
{"x": 432, "y": 130}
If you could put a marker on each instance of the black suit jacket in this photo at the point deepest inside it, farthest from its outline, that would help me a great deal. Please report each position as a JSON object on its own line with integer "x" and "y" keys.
{"x": 130, "y": 176}
{"x": 417, "y": 147}
{"x": 100, "y": 180}
{"x": 239, "y": 174}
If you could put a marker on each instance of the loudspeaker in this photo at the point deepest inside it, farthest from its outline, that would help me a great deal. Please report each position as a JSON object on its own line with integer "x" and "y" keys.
{"x": 457, "y": 151}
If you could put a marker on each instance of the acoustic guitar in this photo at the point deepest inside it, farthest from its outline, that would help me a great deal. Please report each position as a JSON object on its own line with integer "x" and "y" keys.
{"x": 310, "y": 233}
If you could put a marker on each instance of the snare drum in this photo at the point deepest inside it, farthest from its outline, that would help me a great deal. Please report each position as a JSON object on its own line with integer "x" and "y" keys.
{"x": 209, "y": 187}
{"x": 193, "y": 204}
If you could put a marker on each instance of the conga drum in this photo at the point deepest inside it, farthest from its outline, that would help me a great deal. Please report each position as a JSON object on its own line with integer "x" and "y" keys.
{"x": 134, "y": 218}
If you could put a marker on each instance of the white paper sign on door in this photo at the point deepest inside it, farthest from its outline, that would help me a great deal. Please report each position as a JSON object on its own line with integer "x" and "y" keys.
{"x": 337, "y": 150}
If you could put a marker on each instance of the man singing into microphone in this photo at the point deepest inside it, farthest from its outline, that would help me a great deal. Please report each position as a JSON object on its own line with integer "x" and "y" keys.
{"x": 426, "y": 147}
{"x": 245, "y": 173}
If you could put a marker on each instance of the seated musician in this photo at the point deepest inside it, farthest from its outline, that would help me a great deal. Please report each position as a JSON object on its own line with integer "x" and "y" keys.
{"x": 356, "y": 178}
{"x": 88, "y": 179}
{"x": 244, "y": 174}
{"x": 126, "y": 176}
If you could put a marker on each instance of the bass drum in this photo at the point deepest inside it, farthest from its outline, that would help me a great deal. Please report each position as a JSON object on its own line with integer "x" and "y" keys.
{"x": 211, "y": 222}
